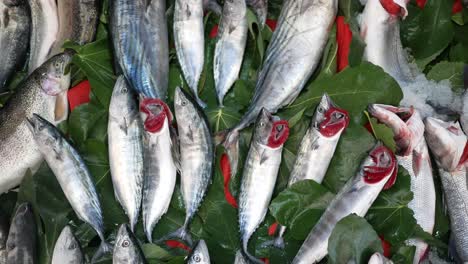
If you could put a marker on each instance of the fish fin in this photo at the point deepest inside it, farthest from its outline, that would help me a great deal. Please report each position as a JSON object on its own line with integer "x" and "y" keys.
{"x": 182, "y": 233}
{"x": 103, "y": 249}
{"x": 124, "y": 126}
{"x": 212, "y": 5}
{"x": 263, "y": 157}
{"x": 231, "y": 144}
{"x": 247, "y": 255}
{"x": 277, "y": 242}
{"x": 61, "y": 107}
{"x": 175, "y": 149}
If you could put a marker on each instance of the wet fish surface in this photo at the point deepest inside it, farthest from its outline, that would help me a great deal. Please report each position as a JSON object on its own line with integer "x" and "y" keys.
{"x": 22, "y": 238}
{"x": 67, "y": 249}
{"x": 200, "y": 254}
{"x": 127, "y": 249}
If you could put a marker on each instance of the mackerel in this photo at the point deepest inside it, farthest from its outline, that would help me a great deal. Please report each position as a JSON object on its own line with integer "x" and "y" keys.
{"x": 22, "y": 238}
{"x": 127, "y": 249}
{"x": 260, "y": 7}
{"x": 67, "y": 249}
{"x": 200, "y": 254}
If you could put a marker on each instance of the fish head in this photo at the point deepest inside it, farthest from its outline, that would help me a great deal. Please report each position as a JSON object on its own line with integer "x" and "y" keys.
{"x": 270, "y": 130}
{"x": 54, "y": 74}
{"x": 447, "y": 142}
{"x": 120, "y": 105}
{"x": 329, "y": 119}
{"x": 21, "y": 223}
{"x": 155, "y": 113}
{"x": 126, "y": 246}
{"x": 184, "y": 104}
{"x": 381, "y": 164}
{"x": 66, "y": 243}
{"x": 199, "y": 254}
{"x": 47, "y": 137}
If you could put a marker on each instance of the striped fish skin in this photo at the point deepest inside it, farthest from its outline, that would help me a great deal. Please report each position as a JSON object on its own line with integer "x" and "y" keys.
{"x": 67, "y": 249}
{"x": 356, "y": 197}
{"x": 190, "y": 41}
{"x": 230, "y": 46}
{"x": 21, "y": 243}
{"x": 14, "y": 37}
{"x": 43, "y": 92}
{"x": 200, "y": 254}
{"x": 448, "y": 144}
{"x": 259, "y": 176}
{"x": 378, "y": 258}
{"x": 4, "y": 227}
{"x": 260, "y": 7}
{"x": 160, "y": 171}
{"x": 44, "y": 31}
{"x": 413, "y": 155}
{"x": 127, "y": 249}
{"x": 125, "y": 137}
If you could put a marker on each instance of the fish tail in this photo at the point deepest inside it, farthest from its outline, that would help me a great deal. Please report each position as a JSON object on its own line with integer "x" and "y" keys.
{"x": 103, "y": 249}
{"x": 247, "y": 255}
{"x": 148, "y": 232}
{"x": 200, "y": 102}
{"x": 277, "y": 242}
{"x": 182, "y": 233}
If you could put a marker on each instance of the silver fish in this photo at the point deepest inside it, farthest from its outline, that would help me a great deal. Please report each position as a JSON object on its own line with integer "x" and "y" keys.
{"x": 292, "y": 56}
{"x": 72, "y": 174}
{"x": 190, "y": 41}
{"x": 200, "y": 254}
{"x": 240, "y": 259}
{"x": 44, "y": 92}
{"x": 44, "y": 32}
{"x": 448, "y": 143}
{"x": 413, "y": 155}
{"x": 378, "y": 258}
{"x": 259, "y": 175}
{"x": 230, "y": 46}
{"x": 125, "y": 137}
{"x": 260, "y": 7}
{"x": 355, "y": 197}
{"x": 67, "y": 249}
{"x": 21, "y": 243}
{"x": 14, "y": 37}
{"x": 127, "y": 249}
{"x": 160, "y": 169}
{"x": 4, "y": 227}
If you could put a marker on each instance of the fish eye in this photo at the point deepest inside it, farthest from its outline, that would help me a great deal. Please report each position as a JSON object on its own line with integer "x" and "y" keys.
{"x": 196, "y": 258}
{"x": 184, "y": 103}
{"x": 124, "y": 90}
{"x": 72, "y": 246}
{"x": 262, "y": 124}
{"x": 321, "y": 110}
{"x": 125, "y": 243}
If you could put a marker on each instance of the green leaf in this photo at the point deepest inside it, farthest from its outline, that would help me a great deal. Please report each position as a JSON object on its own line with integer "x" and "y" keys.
{"x": 382, "y": 132}
{"x": 451, "y": 71}
{"x": 404, "y": 254}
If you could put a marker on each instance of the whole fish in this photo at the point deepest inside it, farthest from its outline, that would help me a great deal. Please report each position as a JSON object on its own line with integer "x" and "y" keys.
{"x": 259, "y": 175}
{"x": 44, "y": 31}
{"x": 287, "y": 67}
{"x": 230, "y": 46}
{"x": 72, "y": 174}
{"x": 14, "y": 37}
{"x": 448, "y": 143}
{"x": 378, "y": 258}
{"x": 413, "y": 155}
{"x": 260, "y": 7}
{"x": 190, "y": 41}
{"x": 21, "y": 243}
{"x": 4, "y": 227}
{"x": 127, "y": 249}
{"x": 160, "y": 170}
{"x": 125, "y": 137}
{"x": 377, "y": 170}
{"x": 139, "y": 57}
{"x": 200, "y": 254}
{"x": 67, "y": 249}
{"x": 44, "y": 92}
{"x": 317, "y": 148}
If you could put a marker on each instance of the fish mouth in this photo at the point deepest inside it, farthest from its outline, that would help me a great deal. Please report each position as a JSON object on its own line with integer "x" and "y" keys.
{"x": 381, "y": 164}
{"x": 279, "y": 133}
{"x": 156, "y": 113}
{"x": 384, "y": 112}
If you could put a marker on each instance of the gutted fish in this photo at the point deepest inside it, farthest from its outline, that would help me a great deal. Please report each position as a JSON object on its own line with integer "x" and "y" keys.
{"x": 21, "y": 243}
{"x": 200, "y": 254}
{"x": 127, "y": 249}
{"x": 260, "y": 7}
{"x": 67, "y": 249}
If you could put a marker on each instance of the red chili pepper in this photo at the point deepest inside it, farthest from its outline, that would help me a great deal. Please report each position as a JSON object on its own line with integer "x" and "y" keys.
{"x": 265, "y": 260}
{"x": 386, "y": 247}
{"x": 272, "y": 229}
{"x": 421, "y": 3}
{"x": 177, "y": 244}
{"x": 79, "y": 94}
{"x": 271, "y": 24}
{"x": 226, "y": 171}
{"x": 214, "y": 31}
{"x": 344, "y": 37}
{"x": 457, "y": 7}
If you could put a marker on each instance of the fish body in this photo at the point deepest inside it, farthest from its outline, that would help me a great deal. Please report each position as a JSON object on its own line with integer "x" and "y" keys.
{"x": 230, "y": 46}
{"x": 260, "y": 7}
{"x": 125, "y": 137}
{"x": 22, "y": 238}
{"x": 67, "y": 249}
{"x": 355, "y": 197}
{"x": 448, "y": 144}
{"x": 43, "y": 92}
{"x": 4, "y": 227}
{"x": 378, "y": 258}
{"x": 200, "y": 254}
{"x": 127, "y": 249}
{"x": 160, "y": 169}
{"x": 413, "y": 155}
{"x": 15, "y": 25}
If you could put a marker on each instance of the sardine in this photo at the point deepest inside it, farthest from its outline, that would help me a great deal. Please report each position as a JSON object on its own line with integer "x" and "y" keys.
{"x": 413, "y": 155}
{"x": 125, "y": 137}
{"x": 4, "y": 227}
{"x": 448, "y": 143}
{"x": 200, "y": 254}
{"x": 14, "y": 37}
{"x": 358, "y": 194}
{"x": 67, "y": 249}
{"x": 44, "y": 31}
{"x": 230, "y": 46}
{"x": 22, "y": 238}
{"x": 44, "y": 92}
{"x": 259, "y": 175}
{"x": 160, "y": 168}
{"x": 126, "y": 249}
{"x": 72, "y": 174}
{"x": 378, "y": 258}
{"x": 189, "y": 37}
{"x": 260, "y": 7}
{"x": 292, "y": 56}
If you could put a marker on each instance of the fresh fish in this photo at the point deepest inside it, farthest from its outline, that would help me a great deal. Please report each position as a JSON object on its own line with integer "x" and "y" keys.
{"x": 139, "y": 57}
{"x": 196, "y": 157}
{"x": 260, "y": 7}
{"x": 127, "y": 249}
{"x": 4, "y": 227}
{"x": 72, "y": 174}
{"x": 448, "y": 143}
{"x": 259, "y": 175}
{"x": 317, "y": 148}
{"x": 67, "y": 249}
{"x": 14, "y": 37}
{"x": 160, "y": 170}
{"x": 240, "y": 259}
{"x": 378, "y": 170}
{"x": 378, "y": 258}
{"x": 212, "y": 5}
{"x": 44, "y": 92}
{"x": 125, "y": 137}
{"x": 200, "y": 254}
{"x": 230, "y": 46}
{"x": 189, "y": 37}
{"x": 292, "y": 56}
{"x": 44, "y": 31}
{"x": 413, "y": 155}
{"x": 21, "y": 243}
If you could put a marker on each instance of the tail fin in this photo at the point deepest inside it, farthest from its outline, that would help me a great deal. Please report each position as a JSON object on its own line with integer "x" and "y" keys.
{"x": 103, "y": 249}
{"x": 200, "y": 102}
{"x": 277, "y": 242}
{"x": 247, "y": 255}
{"x": 231, "y": 144}
{"x": 182, "y": 233}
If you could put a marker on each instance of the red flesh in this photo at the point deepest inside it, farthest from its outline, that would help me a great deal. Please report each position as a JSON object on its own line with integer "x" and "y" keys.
{"x": 374, "y": 174}
{"x": 154, "y": 123}
{"x": 277, "y": 138}
{"x": 329, "y": 127}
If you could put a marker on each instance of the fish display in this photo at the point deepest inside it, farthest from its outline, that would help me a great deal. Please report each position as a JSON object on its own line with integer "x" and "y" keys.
{"x": 22, "y": 238}
{"x": 127, "y": 249}
{"x": 4, "y": 228}
{"x": 67, "y": 249}
{"x": 44, "y": 92}
{"x": 260, "y": 7}
{"x": 378, "y": 170}
{"x": 259, "y": 175}
{"x": 125, "y": 137}
{"x": 200, "y": 254}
